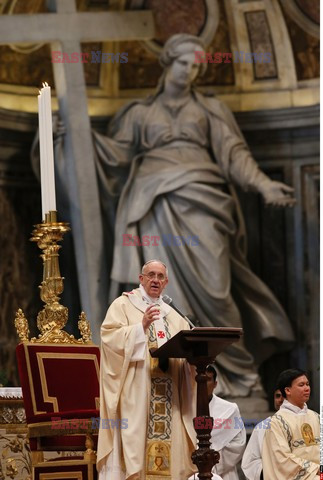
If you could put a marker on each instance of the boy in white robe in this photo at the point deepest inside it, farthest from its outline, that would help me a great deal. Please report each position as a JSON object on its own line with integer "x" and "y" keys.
{"x": 228, "y": 436}
{"x": 252, "y": 461}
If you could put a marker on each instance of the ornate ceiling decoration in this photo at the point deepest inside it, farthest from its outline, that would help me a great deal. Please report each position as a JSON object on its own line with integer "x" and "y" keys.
{"x": 306, "y": 13}
{"x": 197, "y": 17}
{"x": 285, "y": 28}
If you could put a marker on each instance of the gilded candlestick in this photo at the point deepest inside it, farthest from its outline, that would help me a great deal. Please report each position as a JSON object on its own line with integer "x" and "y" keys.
{"x": 53, "y": 317}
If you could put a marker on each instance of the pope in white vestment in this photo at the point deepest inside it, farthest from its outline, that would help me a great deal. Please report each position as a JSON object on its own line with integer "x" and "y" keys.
{"x": 155, "y": 408}
{"x": 291, "y": 444}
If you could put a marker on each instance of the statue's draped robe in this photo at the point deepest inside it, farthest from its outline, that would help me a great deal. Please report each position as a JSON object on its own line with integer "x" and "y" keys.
{"x": 181, "y": 169}
{"x": 126, "y": 392}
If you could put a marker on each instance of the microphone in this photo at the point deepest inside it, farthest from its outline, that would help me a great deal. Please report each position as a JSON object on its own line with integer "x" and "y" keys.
{"x": 169, "y": 302}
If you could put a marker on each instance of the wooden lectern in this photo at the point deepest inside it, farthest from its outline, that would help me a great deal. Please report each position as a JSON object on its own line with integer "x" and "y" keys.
{"x": 200, "y": 346}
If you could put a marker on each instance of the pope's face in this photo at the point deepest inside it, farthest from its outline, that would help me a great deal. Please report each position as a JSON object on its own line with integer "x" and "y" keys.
{"x": 299, "y": 391}
{"x": 183, "y": 70}
{"x": 154, "y": 279}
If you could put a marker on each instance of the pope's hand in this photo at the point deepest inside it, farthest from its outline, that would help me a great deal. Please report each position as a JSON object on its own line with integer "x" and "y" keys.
{"x": 278, "y": 194}
{"x": 150, "y": 315}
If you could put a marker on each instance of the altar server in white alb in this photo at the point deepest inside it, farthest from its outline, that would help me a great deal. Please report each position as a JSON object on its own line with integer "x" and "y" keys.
{"x": 291, "y": 444}
{"x": 252, "y": 460}
{"x": 156, "y": 401}
{"x": 228, "y": 436}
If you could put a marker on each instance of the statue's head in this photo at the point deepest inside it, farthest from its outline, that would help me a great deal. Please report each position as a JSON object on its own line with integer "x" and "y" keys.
{"x": 182, "y": 47}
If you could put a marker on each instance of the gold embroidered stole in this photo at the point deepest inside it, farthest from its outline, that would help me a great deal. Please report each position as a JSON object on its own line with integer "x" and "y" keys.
{"x": 158, "y": 447}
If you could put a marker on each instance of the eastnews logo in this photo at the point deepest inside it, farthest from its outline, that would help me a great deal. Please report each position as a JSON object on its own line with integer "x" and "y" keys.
{"x": 166, "y": 240}
{"x": 58, "y": 423}
{"x": 200, "y": 423}
{"x": 86, "y": 57}
{"x": 236, "y": 57}
{"x": 236, "y": 423}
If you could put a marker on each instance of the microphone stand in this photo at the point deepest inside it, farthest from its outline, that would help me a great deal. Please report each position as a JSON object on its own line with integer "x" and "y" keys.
{"x": 170, "y": 302}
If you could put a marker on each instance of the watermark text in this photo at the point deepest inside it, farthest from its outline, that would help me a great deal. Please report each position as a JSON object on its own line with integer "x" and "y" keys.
{"x": 87, "y": 57}
{"x": 166, "y": 240}
{"x": 58, "y": 423}
{"x": 230, "y": 423}
{"x": 235, "y": 57}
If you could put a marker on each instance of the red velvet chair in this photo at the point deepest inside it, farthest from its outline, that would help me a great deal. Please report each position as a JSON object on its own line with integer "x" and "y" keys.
{"x": 60, "y": 386}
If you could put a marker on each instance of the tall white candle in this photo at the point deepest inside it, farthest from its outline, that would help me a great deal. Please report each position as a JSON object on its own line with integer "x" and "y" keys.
{"x": 42, "y": 156}
{"x": 46, "y": 151}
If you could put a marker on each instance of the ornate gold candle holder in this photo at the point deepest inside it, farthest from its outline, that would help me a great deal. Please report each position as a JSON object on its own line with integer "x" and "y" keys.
{"x": 53, "y": 317}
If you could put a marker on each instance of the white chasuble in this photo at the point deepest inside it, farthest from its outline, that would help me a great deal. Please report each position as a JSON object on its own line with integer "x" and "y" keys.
{"x": 291, "y": 446}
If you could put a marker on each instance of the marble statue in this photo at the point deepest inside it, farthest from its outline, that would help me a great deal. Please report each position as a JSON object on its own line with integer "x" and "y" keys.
{"x": 174, "y": 158}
